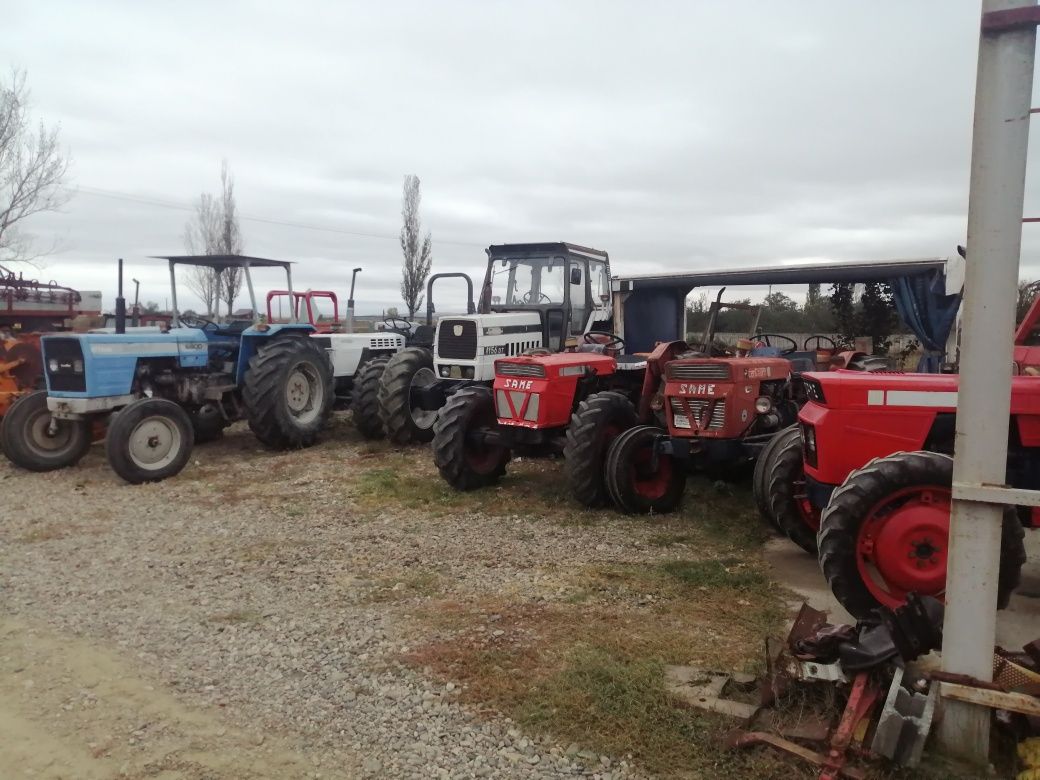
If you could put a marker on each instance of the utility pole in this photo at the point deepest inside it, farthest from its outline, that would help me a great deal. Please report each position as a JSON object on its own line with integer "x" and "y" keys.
{"x": 1007, "y": 43}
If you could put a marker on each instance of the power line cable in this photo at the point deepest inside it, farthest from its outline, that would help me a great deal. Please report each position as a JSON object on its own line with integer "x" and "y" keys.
{"x": 152, "y": 201}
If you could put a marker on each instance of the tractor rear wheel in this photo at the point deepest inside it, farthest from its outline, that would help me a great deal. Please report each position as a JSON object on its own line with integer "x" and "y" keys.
{"x": 885, "y": 534}
{"x": 288, "y": 392}
{"x": 599, "y": 419}
{"x": 640, "y": 481}
{"x": 149, "y": 440}
{"x": 364, "y": 400}
{"x": 27, "y": 441}
{"x": 785, "y": 491}
{"x": 465, "y": 461}
{"x": 405, "y": 424}
{"x": 759, "y": 489}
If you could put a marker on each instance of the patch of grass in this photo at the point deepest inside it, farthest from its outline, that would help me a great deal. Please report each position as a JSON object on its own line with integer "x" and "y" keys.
{"x": 247, "y": 616}
{"x": 728, "y": 573}
{"x": 724, "y": 514}
{"x": 47, "y": 532}
{"x": 672, "y": 539}
{"x": 415, "y": 583}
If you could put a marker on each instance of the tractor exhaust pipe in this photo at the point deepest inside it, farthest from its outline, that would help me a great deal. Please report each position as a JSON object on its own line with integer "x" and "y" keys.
{"x": 120, "y": 303}
{"x": 350, "y": 302}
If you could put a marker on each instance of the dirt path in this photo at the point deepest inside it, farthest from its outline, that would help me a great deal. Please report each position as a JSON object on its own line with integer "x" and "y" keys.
{"x": 71, "y": 709}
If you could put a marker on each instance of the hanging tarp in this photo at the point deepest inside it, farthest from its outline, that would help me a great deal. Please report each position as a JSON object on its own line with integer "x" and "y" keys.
{"x": 929, "y": 312}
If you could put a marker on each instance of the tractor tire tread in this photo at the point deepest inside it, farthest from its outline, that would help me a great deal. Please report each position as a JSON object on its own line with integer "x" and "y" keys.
{"x": 585, "y": 447}
{"x": 364, "y": 402}
{"x": 786, "y": 464}
{"x": 395, "y": 409}
{"x": 12, "y": 436}
{"x": 263, "y": 394}
{"x": 449, "y": 440}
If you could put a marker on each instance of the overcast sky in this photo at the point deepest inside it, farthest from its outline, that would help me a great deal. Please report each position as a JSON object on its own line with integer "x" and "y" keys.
{"x": 673, "y": 135}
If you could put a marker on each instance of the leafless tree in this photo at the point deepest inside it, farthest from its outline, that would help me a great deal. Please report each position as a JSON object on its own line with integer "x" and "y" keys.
{"x": 32, "y": 170}
{"x": 213, "y": 230}
{"x": 416, "y": 247}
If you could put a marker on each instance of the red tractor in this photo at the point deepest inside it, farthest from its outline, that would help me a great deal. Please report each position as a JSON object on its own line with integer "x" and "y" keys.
{"x": 864, "y": 480}
{"x": 574, "y": 402}
{"x": 713, "y": 410}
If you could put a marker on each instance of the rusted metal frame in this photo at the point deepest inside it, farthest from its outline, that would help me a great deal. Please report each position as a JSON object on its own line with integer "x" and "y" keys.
{"x": 862, "y": 698}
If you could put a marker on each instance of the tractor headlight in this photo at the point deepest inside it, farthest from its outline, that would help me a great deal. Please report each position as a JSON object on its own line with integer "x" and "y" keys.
{"x": 763, "y": 404}
{"x": 467, "y": 372}
{"x": 52, "y": 366}
{"x": 77, "y": 366}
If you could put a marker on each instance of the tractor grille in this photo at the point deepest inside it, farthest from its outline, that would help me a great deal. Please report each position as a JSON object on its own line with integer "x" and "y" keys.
{"x": 693, "y": 409}
{"x": 68, "y": 353}
{"x": 698, "y": 371}
{"x": 385, "y": 342}
{"x": 457, "y": 347}
{"x": 520, "y": 369}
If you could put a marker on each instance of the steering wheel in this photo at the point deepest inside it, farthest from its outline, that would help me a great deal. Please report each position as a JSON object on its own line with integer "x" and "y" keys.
{"x": 613, "y": 340}
{"x": 397, "y": 323}
{"x": 818, "y": 339}
{"x": 764, "y": 338}
{"x": 528, "y": 297}
{"x": 193, "y": 321}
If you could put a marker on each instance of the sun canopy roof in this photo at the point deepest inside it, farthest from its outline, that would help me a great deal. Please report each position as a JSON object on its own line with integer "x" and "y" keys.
{"x": 809, "y": 273}
{"x": 222, "y": 262}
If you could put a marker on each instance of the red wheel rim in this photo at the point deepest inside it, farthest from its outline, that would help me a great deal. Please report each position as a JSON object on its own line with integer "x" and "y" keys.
{"x": 482, "y": 458}
{"x": 902, "y": 544}
{"x": 650, "y": 484}
{"x": 810, "y": 514}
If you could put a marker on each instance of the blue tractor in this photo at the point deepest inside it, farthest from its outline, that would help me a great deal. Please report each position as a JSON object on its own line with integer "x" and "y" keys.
{"x": 162, "y": 390}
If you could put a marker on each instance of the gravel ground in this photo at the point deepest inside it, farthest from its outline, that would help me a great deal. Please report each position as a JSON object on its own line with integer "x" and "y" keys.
{"x": 261, "y": 593}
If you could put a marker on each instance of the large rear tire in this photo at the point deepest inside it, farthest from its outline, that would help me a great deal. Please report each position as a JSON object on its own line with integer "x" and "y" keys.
{"x": 288, "y": 392}
{"x": 633, "y": 483}
{"x": 364, "y": 401}
{"x": 150, "y": 440}
{"x": 26, "y": 441}
{"x": 785, "y": 489}
{"x": 599, "y": 419}
{"x": 403, "y": 423}
{"x": 464, "y": 463}
{"x": 885, "y": 531}
{"x": 759, "y": 489}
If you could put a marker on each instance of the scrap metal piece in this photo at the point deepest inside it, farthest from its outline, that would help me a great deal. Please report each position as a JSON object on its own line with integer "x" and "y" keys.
{"x": 905, "y": 722}
{"x": 704, "y": 690}
{"x": 749, "y": 738}
{"x": 915, "y": 626}
{"x": 862, "y": 698}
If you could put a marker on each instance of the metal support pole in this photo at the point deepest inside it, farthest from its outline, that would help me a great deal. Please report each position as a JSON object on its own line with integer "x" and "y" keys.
{"x": 252, "y": 294}
{"x": 175, "y": 320}
{"x": 1001, "y": 133}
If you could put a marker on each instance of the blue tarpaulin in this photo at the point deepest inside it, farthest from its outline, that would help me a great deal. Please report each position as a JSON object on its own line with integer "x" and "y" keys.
{"x": 929, "y": 312}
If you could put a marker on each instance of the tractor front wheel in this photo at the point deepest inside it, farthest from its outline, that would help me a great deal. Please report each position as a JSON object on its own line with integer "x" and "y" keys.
{"x": 28, "y": 439}
{"x": 149, "y": 440}
{"x": 639, "y": 479}
{"x": 785, "y": 490}
{"x": 599, "y": 419}
{"x": 364, "y": 400}
{"x": 404, "y": 422}
{"x": 465, "y": 459}
{"x": 885, "y": 534}
{"x": 288, "y": 392}
{"x": 759, "y": 486}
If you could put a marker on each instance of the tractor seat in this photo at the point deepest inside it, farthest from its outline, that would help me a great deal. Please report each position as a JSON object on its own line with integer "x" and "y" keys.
{"x": 630, "y": 362}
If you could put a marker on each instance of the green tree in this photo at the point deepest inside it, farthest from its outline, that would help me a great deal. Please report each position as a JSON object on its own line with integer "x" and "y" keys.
{"x": 843, "y": 307}
{"x": 877, "y": 316}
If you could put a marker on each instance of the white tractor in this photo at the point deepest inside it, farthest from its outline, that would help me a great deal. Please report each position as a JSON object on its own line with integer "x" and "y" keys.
{"x": 535, "y": 298}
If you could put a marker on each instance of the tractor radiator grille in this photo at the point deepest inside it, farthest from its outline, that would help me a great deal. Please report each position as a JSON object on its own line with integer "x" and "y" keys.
{"x": 520, "y": 369}
{"x": 694, "y": 409}
{"x": 698, "y": 371}
{"x": 385, "y": 342}
{"x": 457, "y": 340}
{"x": 68, "y": 353}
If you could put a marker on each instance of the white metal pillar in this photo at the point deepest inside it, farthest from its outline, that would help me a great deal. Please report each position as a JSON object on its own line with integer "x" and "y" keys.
{"x": 1002, "y": 101}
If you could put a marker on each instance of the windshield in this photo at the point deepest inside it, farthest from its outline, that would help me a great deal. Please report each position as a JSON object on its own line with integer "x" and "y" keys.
{"x": 528, "y": 281}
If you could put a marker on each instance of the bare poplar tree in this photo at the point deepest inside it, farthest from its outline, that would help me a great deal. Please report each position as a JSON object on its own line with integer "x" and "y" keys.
{"x": 213, "y": 230}
{"x": 416, "y": 248}
{"x": 32, "y": 169}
